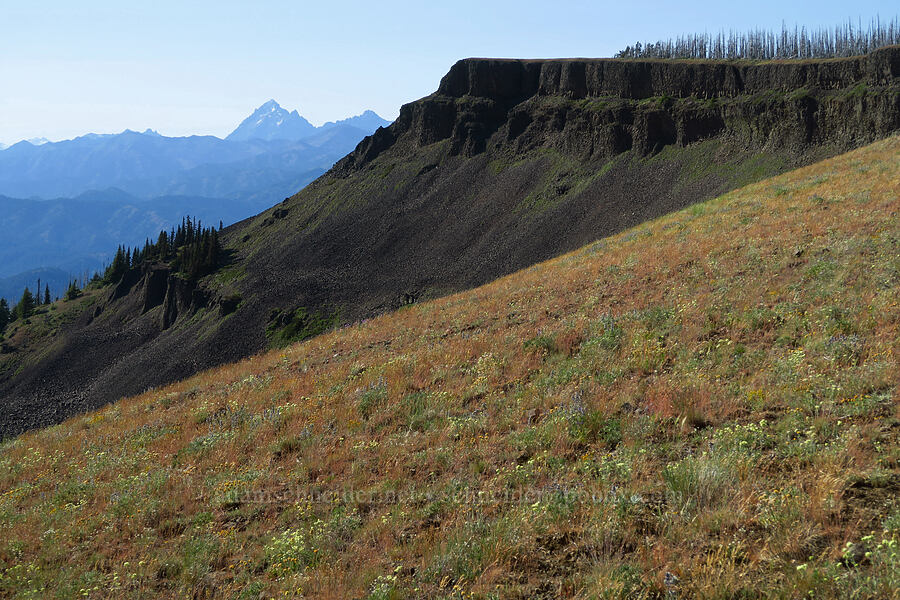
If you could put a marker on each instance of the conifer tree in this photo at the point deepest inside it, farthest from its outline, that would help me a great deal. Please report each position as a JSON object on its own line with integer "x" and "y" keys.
{"x": 162, "y": 246}
{"x": 117, "y": 269}
{"x": 72, "y": 291}
{"x": 5, "y": 314}
{"x": 25, "y": 307}
{"x": 47, "y": 293}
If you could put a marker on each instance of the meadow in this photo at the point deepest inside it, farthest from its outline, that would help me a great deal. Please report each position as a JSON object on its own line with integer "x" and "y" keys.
{"x": 704, "y": 406}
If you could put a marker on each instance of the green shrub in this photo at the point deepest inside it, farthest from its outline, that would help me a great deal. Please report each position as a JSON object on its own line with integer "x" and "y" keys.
{"x": 542, "y": 343}
{"x": 370, "y": 398}
{"x": 696, "y": 483}
{"x": 611, "y": 335}
{"x": 594, "y": 427}
{"x": 285, "y": 328}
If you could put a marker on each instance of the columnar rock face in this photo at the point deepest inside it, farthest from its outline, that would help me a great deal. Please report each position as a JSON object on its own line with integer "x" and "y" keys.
{"x": 508, "y": 163}
{"x": 514, "y": 80}
{"x": 603, "y": 107}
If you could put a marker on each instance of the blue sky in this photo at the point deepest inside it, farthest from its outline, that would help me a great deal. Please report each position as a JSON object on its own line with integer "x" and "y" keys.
{"x": 183, "y": 67}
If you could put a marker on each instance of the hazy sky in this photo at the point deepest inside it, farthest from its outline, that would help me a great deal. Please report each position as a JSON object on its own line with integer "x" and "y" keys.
{"x": 198, "y": 66}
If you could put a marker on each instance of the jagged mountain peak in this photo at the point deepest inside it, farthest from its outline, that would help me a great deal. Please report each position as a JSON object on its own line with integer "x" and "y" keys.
{"x": 270, "y": 121}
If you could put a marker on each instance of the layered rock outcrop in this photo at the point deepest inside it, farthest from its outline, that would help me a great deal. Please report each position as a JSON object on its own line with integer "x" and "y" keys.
{"x": 511, "y": 81}
{"x": 603, "y": 107}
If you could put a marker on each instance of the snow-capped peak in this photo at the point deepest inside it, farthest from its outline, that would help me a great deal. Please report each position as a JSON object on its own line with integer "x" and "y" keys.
{"x": 271, "y": 121}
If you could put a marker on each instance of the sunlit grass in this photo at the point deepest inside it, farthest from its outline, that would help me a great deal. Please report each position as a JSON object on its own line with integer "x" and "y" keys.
{"x": 704, "y": 405}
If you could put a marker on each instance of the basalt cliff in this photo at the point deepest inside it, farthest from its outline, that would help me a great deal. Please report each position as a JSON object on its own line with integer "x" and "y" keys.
{"x": 508, "y": 163}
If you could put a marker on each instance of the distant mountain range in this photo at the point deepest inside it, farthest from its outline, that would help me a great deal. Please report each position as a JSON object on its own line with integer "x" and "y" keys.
{"x": 148, "y": 164}
{"x": 82, "y": 197}
{"x": 271, "y": 122}
{"x": 38, "y": 141}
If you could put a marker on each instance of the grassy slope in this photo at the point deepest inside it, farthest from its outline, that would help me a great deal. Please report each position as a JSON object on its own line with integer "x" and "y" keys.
{"x": 706, "y": 403}
{"x": 42, "y": 329}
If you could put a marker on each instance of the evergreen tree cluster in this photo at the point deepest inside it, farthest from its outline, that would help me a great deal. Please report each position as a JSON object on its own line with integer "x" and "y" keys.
{"x": 190, "y": 249}
{"x": 27, "y": 304}
{"x": 73, "y": 291}
{"x": 761, "y": 44}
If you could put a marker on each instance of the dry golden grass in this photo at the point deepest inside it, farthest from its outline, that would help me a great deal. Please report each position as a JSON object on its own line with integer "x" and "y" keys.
{"x": 704, "y": 406}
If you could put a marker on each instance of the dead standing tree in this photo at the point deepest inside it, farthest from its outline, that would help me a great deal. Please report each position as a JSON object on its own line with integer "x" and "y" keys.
{"x": 761, "y": 44}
